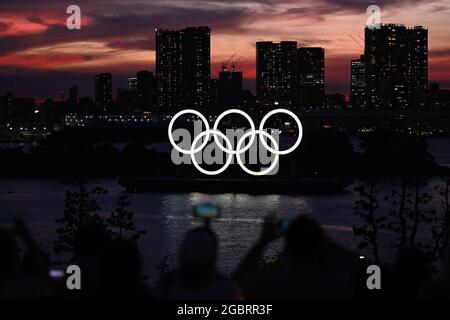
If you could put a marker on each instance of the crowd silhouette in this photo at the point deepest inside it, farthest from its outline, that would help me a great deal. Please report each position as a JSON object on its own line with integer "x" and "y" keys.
{"x": 310, "y": 267}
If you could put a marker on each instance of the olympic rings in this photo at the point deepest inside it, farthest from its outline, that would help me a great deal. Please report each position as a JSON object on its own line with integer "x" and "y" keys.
{"x": 300, "y": 131}
{"x": 239, "y": 149}
{"x": 252, "y": 125}
{"x": 239, "y": 160}
{"x": 173, "y": 121}
{"x": 229, "y": 155}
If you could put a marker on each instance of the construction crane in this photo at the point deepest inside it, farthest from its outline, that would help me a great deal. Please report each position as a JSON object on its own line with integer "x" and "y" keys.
{"x": 225, "y": 64}
{"x": 234, "y": 63}
{"x": 356, "y": 41}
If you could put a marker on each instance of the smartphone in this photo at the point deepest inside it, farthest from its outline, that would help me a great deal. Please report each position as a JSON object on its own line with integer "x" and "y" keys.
{"x": 283, "y": 226}
{"x": 206, "y": 211}
{"x": 56, "y": 274}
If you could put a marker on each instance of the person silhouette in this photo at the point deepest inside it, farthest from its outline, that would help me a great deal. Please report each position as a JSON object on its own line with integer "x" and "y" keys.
{"x": 311, "y": 266}
{"x": 120, "y": 272}
{"x": 23, "y": 276}
{"x": 411, "y": 263}
{"x": 197, "y": 277}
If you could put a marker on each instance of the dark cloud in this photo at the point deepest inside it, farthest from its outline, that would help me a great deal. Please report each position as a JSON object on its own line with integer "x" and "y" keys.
{"x": 439, "y": 8}
{"x": 363, "y": 4}
{"x": 124, "y": 30}
{"x": 35, "y": 19}
{"x": 329, "y": 7}
{"x": 440, "y": 53}
{"x": 130, "y": 25}
{"x": 5, "y": 26}
{"x": 130, "y": 44}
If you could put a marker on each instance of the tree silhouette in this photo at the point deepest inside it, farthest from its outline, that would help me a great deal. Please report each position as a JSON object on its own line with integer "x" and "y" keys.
{"x": 441, "y": 229}
{"x": 366, "y": 207}
{"x": 408, "y": 211}
{"x": 80, "y": 209}
{"x": 121, "y": 221}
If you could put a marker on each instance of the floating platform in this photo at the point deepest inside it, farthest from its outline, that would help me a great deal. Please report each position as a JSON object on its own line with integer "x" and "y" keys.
{"x": 314, "y": 185}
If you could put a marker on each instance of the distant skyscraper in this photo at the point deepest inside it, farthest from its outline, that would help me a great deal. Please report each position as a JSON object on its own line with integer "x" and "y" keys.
{"x": 73, "y": 94}
{"x": 418, "y": 48}
{"x": 183, "y": 67}
{"x": 276, "y": 73}
{"x": 103, "y": 90}
{"x": 358, "y": 84}
{"x": 126, "y": 99}
{"x": 311, "y": 76}
{"x": 214, "y": 100}
{"x": 196, "y": 62}
{"x": 396, "y": 66}
{"x": 334, "y": 101}
{"x": 146, "y": 89}
{"x": 132, "y": 83}
{"x": 168, "y": 68}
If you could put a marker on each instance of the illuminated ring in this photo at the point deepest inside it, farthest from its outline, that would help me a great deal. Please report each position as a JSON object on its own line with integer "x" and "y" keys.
{"x": 300, "y": 131}
{"x": 252, "y": 125}
{"x": 193, "y": 152}
{"x": 238, "y": 155}
{"x": 202, "y": 117}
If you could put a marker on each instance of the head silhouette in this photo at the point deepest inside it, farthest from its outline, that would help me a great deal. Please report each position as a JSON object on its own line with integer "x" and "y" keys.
{"x": 7, "y": 254}
{"x": 413, "y": 264}
{"x": 121, "y": 267}
{"x": 198, "y": 252}
{"x": 304, "y": 240}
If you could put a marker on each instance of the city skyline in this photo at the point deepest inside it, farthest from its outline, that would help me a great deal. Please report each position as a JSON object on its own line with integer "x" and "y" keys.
{"x": 39, "y": 56}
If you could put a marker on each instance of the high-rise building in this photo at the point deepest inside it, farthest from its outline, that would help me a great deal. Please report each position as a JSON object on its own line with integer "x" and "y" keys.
{"x": 132, "y": 83}
{"x": 334, "y": 102}
{"x": 311, "y": 75}
{"x": 103, "y": 90}
{"x": 73, "y": 94}
{"x": 168, "y": 68}
{"x": 146, "y": 89}
{"x": 126, "y": 99}
{"x": 230, "y": 88}
{"x": 418, "y": 49}
{"x": 196, "y": 63}
{"x": 276, "y": 73}
{"x": 183, "y": 67}
{"x": 396, "y": 60}
{"x": 214, "y": 100}
{"x": 358, "y": 84}
{"x": 437, "y": 98}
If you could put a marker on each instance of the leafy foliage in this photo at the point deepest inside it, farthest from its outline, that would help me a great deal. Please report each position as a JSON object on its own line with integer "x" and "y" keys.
{"x": 441, "y": 229}
{"x": 122, "y": 223}
{"x": 366, "y": 207}
{"x": 82, "y": 210}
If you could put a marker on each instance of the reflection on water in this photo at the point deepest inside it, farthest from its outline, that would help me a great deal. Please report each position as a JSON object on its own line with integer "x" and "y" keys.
{"x": 237, "y": 228}
{"x": 166, "y": 217}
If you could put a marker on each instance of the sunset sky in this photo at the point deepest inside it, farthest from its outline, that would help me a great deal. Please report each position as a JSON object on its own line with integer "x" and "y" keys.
{"x": 40, "y": 57}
